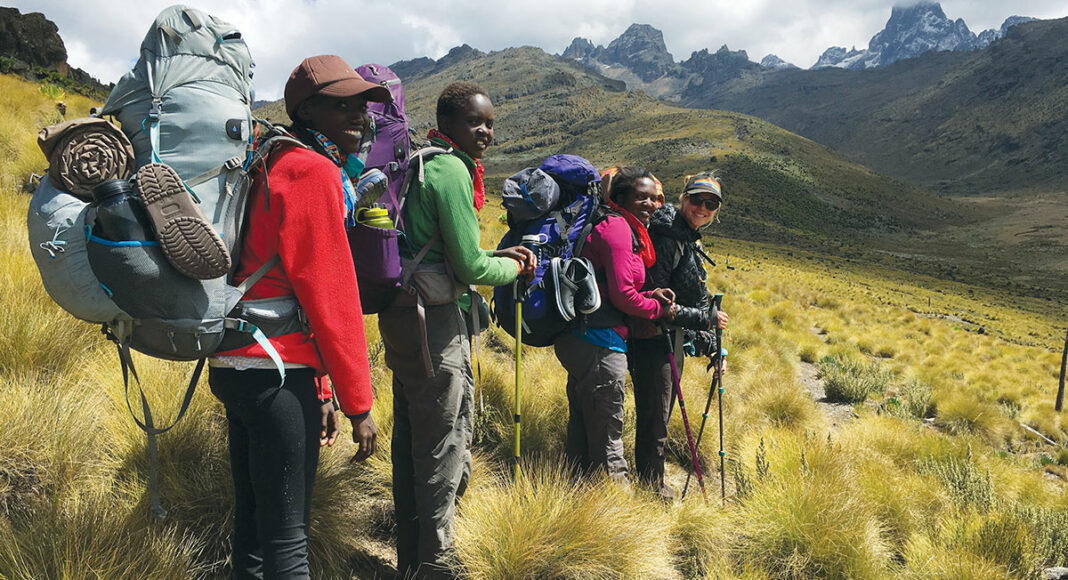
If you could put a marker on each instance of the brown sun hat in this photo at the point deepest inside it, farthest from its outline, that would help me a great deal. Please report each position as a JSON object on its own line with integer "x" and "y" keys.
{"x": 331, "y": 76}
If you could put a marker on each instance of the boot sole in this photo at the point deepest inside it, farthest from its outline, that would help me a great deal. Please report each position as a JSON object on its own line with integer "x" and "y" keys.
{"x": 191, "y": 245}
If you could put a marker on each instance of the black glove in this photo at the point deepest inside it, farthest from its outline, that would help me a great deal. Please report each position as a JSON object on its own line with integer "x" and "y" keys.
{"x": 704, "y": 343}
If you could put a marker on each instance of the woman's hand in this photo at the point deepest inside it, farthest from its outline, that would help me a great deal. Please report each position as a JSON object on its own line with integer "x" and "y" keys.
{"x": 723, "y": 318}
{"x": 665, "y": 296}
{"x": 365, "y": 436}
{"x": 670, "y": 312}
{"x": 328, "y": 434}
{"x": 520, "y": 254}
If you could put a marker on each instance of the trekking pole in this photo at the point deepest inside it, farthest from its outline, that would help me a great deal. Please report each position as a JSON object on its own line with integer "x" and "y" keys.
{"x": 717, "y": 300}
{"x": 518, "y": 368}
{"x": 682, "y": 409}
{"x": 708, "y": 407}
{"x": 716, "y": 380}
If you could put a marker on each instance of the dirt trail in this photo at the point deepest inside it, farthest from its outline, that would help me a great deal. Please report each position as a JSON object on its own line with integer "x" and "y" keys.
{"x": 838, "y": 414}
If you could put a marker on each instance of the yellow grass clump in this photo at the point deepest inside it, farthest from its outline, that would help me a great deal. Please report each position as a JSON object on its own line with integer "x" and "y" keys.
{"x": 547, "y": 525}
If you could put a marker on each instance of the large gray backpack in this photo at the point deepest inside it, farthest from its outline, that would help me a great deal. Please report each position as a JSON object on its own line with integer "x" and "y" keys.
{"x": 186, "y": 103}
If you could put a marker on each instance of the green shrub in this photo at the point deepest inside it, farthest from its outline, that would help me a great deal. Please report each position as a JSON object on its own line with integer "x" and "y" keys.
{"x": 916, "y": 399}
{"x": 966, "y": 484}
{"x": 850, "y": 381}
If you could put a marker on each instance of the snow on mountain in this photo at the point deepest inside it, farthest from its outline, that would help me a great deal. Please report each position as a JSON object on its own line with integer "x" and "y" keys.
{"x": 910, "y": 32}
{"x": 775, "y": 63}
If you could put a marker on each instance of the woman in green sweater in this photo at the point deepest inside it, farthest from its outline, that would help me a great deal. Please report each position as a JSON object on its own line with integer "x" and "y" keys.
{"x": 430, "y": 354}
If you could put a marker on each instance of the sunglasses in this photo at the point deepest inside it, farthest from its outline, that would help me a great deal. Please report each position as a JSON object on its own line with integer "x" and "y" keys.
{"x": 711, "y": 203}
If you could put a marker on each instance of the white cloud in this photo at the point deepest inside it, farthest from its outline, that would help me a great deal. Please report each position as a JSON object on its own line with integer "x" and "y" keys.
{"x": 103, "y": 36}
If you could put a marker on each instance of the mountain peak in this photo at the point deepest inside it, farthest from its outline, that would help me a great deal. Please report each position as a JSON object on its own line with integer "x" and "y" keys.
{"x": 579, "y": 49}
{"x": 641, "y": 48}
{"x": 775, "y": 63}
{"x": 914, "y": 30}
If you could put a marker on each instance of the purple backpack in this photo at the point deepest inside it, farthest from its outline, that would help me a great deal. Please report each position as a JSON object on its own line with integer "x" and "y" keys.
{"x": 389, "y": 153}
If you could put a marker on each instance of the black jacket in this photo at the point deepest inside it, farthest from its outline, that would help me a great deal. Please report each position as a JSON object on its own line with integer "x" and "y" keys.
{"x": 679, "y": 267}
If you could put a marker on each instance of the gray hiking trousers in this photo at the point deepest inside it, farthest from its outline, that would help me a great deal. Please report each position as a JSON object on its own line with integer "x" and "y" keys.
{"x": 595, "y": 379}
{"x": 432, "y": 427}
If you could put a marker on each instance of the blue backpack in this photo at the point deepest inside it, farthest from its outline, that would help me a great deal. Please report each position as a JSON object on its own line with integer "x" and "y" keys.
{"x": 553, "y": 218}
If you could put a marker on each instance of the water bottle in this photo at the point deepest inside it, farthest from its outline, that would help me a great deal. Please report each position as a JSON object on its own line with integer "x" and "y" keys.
{"x": 120, "y": 216}
{"x": 375, "y": 217}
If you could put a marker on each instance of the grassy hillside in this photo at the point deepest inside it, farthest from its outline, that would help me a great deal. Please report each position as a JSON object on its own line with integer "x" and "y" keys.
{"x": 780, "y": 187}
{"x": 916, "y": 466}
{"x": 987, "y": 121}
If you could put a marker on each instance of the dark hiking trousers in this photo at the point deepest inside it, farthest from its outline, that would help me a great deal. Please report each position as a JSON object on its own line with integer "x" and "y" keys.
{"x": 432, "y": 428}
{"x": 274, "y": 450}
{"x": 654, "y": 398}
{"x": 595, "y": 378}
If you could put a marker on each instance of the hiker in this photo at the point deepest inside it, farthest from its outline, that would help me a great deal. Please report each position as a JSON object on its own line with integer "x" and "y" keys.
{"x": 676, "y": 235}
{"x": 297, "y": 211}
{"x": 425, "y": 330}
{"x": 595, "y": 357}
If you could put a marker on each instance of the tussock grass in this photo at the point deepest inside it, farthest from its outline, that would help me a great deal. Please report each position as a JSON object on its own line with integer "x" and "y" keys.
{"x": 52, "y": 440}
{"x": 25, "y": 109}
{"x": 804, "y": 519}
{"x": 903, "y": 502}
{"x": 94, "y": 539}
{"x": 783, "y": 405}
{"x": 962, "y": 414}
{"x": 547, "y": 525}
{"x": 702, "y": 538}
{"x": 926, "y": 558}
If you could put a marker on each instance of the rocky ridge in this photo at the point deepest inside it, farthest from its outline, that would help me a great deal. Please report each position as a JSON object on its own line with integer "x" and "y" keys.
{"x": 30, "y": 46}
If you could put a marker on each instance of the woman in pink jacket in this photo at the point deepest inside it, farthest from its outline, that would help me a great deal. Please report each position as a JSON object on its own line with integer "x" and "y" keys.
{"x": 595, "y": 359}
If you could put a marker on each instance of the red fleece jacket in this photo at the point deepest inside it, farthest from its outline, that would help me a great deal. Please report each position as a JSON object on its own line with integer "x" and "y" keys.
{"x": 302, "y": 220}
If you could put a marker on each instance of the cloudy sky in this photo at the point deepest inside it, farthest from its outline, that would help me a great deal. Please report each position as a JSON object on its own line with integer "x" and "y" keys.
{"x": 103, "y": 36}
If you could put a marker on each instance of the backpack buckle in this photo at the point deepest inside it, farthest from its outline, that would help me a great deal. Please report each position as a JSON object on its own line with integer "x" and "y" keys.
{"x": 155, "y": 110}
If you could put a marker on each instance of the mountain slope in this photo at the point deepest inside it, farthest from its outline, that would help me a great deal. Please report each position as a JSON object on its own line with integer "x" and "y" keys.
{"x": 990, "y": 120}
{"x": 780, "y": 187}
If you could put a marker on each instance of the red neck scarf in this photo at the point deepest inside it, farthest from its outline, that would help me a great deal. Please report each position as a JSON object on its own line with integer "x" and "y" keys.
{"x": 645, "y": 245}
{"x": 476, "y": 175}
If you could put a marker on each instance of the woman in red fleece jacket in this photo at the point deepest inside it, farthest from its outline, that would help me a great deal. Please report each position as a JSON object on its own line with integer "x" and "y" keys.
{"x": 297, "y": 211}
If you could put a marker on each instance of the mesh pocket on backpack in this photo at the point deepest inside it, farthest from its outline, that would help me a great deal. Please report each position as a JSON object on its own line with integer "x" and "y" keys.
{"x": 143, "y": 283}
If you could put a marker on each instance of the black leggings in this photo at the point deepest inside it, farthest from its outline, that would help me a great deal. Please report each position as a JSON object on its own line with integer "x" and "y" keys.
{"x": 274, "y": 450}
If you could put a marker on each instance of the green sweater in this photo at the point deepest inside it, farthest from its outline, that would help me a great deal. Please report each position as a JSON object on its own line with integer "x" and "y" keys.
{"x": 445, "y": 202}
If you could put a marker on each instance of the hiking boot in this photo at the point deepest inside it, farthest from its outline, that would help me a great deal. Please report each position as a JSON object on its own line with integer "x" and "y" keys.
{"x": 187, "y": 238}
{"x": 579, "y": 271}
{"x": 370, "y": 187}
{"x": 666, "y": 493}
{"x": 564, "y": 290}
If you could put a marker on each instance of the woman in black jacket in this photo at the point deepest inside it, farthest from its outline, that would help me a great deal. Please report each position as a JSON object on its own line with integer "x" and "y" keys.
{"x": 676, "y": 236}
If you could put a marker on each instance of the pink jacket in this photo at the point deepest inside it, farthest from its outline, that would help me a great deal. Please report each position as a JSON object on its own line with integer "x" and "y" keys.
{"x": 610, "y": 248}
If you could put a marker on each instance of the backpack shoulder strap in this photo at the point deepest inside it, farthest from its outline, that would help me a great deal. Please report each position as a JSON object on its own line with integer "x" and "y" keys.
{"x": 415, "y": 173}
{"x": 680, "y": 248}
{"x": 597, "y": 216}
